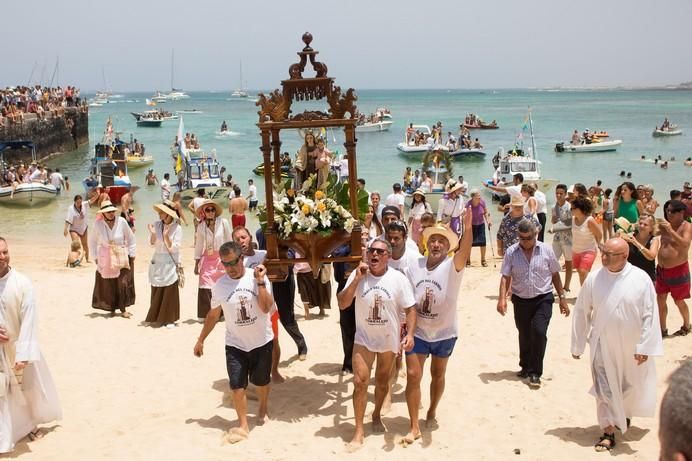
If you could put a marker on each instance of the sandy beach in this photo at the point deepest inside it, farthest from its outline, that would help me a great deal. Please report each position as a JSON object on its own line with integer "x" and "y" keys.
{"x": 138, "y": 393}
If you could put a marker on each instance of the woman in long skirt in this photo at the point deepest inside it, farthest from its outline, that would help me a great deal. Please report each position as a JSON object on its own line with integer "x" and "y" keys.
{"x": 212, "y": 232}
{"x": 113, "y": 247}
{"x": 165, "y": 235}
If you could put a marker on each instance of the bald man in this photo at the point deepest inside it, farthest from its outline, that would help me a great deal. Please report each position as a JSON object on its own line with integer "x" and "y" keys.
{"x": 616, "y": 312}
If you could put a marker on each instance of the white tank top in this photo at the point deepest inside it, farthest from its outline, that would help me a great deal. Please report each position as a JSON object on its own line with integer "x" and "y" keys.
{"x": 582, "y": 237}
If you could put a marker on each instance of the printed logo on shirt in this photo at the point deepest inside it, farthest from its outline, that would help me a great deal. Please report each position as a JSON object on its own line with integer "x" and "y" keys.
{"x": 245, "y": 309}
{"x": 376, "y": 309}
{"x": 426, "y": 305}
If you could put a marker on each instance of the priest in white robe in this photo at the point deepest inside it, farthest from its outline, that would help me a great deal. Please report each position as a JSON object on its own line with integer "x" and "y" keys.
{"x": 616, "y": 313}
{"x": 27, "y": 393}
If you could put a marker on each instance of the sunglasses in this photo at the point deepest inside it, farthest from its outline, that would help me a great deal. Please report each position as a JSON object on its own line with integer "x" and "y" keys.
{"x": 209, "y": 210}
{"x": 231, "y": 263}
{"x": 378, "y": 251}
{"x": 399, "y": 225}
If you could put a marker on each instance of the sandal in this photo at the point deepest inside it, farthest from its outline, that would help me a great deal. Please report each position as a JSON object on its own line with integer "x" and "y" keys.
{"x": 606, "y": 442}
{"x": 35, "y": 435}
{"x": 683, "y": 331}
{"x": 484, "y": 263}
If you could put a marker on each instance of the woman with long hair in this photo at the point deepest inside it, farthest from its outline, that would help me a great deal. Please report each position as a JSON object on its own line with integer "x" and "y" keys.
{"x": 627, "y": 204}
{"x": 418, "y": 208}
{"x": 372, "y": 228}
{"x": 586, "y": 234}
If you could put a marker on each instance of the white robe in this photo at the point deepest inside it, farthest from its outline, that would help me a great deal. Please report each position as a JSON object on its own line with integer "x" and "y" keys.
{"x": 35, "y": 400}
{"x": 617, "y": 313}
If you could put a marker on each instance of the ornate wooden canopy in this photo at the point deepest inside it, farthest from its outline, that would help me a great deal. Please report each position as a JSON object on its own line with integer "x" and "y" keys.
{"x": 275, "y": 114}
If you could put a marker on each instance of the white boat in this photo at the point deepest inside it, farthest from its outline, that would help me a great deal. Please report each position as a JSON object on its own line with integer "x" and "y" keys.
{"x": 149, "y": 121}
{"x": 673, "y": 130}
{"x": 189, "y": 111}
{"x": 199, "y": 171}
{"x": 600, "y": 146}
{"x": 373, "y": 127}
{"x": 139, "y": 161}
{"x": 240, "y": 92}
{"x": 159, "y": 97}
{"x": 176, "y": 94}
{"x": 410, "y": 147}
{"x": 517, "y": 161}
{"x": 25, "y": 194}
{"x": 160, "y": 113}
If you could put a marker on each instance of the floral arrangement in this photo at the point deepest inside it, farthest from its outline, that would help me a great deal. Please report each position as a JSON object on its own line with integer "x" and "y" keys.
{"x": 312, "y": 209}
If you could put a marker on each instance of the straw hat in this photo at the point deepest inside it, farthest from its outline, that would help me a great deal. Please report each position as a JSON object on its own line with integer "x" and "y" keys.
{"x": 453, "y": 186}
{"x": 419, "y": 191}
{"x": 517, "y": 200}
{"x": 167, "y": 207}
{"x": 203, "y": 205}
{"x": 443, "y": 231}
{"x": 623, "y": 223}
{"x": 106, "y": 206}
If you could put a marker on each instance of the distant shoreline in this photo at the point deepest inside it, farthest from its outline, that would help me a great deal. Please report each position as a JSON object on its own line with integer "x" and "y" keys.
{"x": 680, "y": 87}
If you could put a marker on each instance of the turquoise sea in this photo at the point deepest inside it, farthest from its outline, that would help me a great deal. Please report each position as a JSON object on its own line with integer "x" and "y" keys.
{"x": 629, "y": 115}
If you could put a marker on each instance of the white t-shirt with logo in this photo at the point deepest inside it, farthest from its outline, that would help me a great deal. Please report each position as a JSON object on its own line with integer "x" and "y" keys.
{"x": 247, "y": 327}
{"x": 378, "y": 303}
{"x": 436, "y": 295}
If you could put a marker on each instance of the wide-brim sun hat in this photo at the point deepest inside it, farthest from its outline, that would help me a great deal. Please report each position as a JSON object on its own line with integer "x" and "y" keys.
{"x": 203, "y": 205}
{"x": 517, "y": 200}
{"x": 419, "y": 192}
{"x": 106, "y": 206}
{"x": 167, "y": 207}
{"x": 446, "y": 232}
{"x": 623, "y": 223}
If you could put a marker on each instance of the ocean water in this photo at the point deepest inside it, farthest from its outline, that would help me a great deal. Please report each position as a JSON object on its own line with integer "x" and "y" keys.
{"x": 627, "y": 115}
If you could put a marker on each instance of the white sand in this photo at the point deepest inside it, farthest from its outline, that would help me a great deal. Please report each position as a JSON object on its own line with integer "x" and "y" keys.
{"x": 138, "y": 393}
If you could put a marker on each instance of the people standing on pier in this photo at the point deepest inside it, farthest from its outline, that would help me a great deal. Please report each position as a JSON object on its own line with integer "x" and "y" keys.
{"x": 76, "y": 224}
{"x": 211, "y": 233}
{"x": 113, "y": 248}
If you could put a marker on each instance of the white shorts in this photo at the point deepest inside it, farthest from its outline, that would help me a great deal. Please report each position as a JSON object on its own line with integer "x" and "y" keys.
{"x": 560, "y": 248}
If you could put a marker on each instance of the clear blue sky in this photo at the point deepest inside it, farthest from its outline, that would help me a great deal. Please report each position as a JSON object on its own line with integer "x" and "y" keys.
{"x": 365, "y": 43}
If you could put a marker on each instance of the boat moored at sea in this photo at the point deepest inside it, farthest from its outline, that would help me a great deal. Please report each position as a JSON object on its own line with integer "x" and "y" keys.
{"x": 671, "y": 130}
{"x": 464, "y": 153}
{"x": 381, "y": 120}
{"x": 594, "y": 146}
{"x": 416, "y": 147}
{"x": 164, "y": 115}
{"x": 149, "y": 121}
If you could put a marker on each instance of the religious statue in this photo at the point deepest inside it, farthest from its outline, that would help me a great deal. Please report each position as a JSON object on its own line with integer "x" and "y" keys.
{"x": 305, "y": 160}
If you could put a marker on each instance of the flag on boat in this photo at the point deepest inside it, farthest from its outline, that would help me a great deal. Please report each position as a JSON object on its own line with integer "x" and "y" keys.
{"x": 182, "y": 152}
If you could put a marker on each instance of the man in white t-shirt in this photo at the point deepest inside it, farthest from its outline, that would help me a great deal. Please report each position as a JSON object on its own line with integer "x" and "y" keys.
{"x": 252, "y": 195}
{"x": 513, "y": 190}
{"x": 436, "y": 280}
{"x": 245, "y": 297}
{"x": 165, "y": 187}
{"x": 381, "y": 294}
{"x": 396, "y": 198}
{"x": 57, "y": 180}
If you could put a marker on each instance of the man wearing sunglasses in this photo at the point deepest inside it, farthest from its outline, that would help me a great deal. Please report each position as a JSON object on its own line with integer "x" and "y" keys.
{"x": 616, "y": 313}
{"x": 673, "y": 271}
{"x": 436, "y": 280}
{"x": 532, "y": 269}
{"x": 245, "y": 297}
{"x": 380, "y": 294}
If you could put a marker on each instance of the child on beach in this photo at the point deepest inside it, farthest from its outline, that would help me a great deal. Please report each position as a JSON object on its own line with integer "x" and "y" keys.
{"x": 74, "y": 257}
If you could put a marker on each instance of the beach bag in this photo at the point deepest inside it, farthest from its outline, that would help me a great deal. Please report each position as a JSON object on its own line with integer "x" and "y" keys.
{"x": 119, "y": 257}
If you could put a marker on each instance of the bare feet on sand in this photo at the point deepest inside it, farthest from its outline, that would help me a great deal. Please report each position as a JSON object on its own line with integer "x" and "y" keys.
{"x": 409, "y": 438}
{"x": 262, "y": 419}
{"x": 236, "y": 435}
{"x": 355, "y": 444}
{"x": 377, "y": 426}
{"x": 277, "y": 378}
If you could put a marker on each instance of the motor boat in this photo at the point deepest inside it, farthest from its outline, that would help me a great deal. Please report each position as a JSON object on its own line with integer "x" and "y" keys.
{"x": 410, "y": 147}
{"x": 139, "y": 161}
{"x": 594, "y": 146}
{"x": 467, "y": 153}
{"x": 109, "y": 166}
{"x": 164, "y": 115}
{"x": 373, "y": 127}
{"x": 672, "y": 130}
{"x": 24, "y": 194}
{"x": 286, "y": 171}
{"x": 150, "y": 121}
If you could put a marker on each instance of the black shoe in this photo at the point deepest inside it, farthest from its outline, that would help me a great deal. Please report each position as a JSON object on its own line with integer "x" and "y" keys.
{"x": 522, "y": 374}
{"x": 534, "y": 381}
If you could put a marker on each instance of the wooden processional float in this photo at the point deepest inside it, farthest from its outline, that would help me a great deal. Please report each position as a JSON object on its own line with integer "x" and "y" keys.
{"x": 275, "y": 116}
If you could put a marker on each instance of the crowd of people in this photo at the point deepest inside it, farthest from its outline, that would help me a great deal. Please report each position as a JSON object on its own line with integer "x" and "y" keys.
{"x": 16, "y": 102}
{"x": 399, "y": 305}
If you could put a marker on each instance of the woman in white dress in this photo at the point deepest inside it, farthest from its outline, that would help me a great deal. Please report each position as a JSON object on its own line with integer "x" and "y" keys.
{"x": 112, "y": 246}
{"x": 165, "y": 236}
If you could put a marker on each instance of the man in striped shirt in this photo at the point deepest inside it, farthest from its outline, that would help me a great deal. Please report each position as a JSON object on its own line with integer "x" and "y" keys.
{"x": 532, "y": 270}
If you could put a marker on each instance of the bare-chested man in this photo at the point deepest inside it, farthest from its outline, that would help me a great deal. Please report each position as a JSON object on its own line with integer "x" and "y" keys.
{"x": 673, "y": 271}
{"x": 237, "y": 206}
